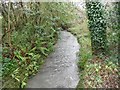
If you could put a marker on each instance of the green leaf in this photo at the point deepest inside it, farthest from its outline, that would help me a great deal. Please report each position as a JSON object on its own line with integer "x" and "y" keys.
{"x": 23, "y": 84}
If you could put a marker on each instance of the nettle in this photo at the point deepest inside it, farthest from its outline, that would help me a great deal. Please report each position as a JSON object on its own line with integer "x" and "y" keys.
{"x": 97, "y": 26}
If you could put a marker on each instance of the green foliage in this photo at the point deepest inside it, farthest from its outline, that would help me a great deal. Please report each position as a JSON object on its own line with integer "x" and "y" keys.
{"x": 97, "y": 27}
{"x": 33, "y": 31}
{"x": 83, "y": 58}
{"x": 9, "y": 66}
{"x": 112, "y": 23}
{"x": 101, "y": 71}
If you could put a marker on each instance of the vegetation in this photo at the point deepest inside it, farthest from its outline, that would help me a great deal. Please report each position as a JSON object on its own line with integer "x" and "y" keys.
{"x": 29, "y": 32}
{"x": 97, "y": 27}
{"x": 31, "y": 29}
{"x": 97, "y": 70}
{"x": 118, "y": 17}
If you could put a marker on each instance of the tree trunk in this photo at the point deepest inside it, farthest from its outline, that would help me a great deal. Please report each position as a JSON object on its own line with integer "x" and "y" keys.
{"x": 9, "y": 38}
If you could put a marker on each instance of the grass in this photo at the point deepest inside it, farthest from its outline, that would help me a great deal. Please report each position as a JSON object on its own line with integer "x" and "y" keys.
{"x": 82, "y": 33}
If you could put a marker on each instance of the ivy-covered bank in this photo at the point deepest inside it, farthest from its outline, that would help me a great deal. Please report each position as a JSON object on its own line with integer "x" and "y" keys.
{"x": 29, "y": 32}
{"x": 97, "y": 27}
{"x": 98, "y": 64}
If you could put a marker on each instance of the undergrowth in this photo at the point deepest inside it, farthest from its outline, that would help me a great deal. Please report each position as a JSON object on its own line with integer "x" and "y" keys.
{"x": 30, "y": 31}
{"x": 96, "y": 71}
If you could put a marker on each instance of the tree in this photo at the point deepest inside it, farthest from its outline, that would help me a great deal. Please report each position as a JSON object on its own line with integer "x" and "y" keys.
{"x": 97, "y": 27}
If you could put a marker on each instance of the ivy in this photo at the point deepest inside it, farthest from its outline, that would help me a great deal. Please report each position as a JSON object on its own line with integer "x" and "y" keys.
{"x": 97, "y": 27}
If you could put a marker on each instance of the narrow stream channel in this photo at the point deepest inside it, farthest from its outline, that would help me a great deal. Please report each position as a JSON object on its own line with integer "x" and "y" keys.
{"x": 60, "y": 69}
